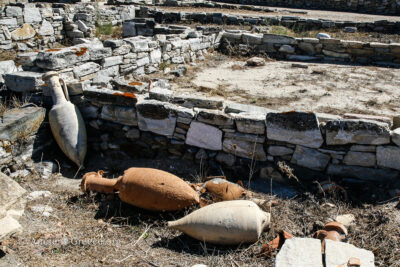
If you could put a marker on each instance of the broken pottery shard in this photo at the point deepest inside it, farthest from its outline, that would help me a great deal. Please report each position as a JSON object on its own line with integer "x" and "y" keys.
{"x": 12, "y": 205}
{"x": 204, "y": 136}
{"x": 298, "y": 128}
{"x": 146, "y": 188}
{"x": 337, "y": 253}
{"x": 223, "y": 190}
{"x": 305, "y": 252}
{"x": 226, "y": 223}
{"x": 357, "y": 132}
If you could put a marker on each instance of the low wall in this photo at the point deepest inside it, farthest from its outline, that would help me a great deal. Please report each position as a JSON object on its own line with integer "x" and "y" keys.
{"x": 313, "y": 49}
{"x": 373, "y": 7}
{"x": 295, "y": 22}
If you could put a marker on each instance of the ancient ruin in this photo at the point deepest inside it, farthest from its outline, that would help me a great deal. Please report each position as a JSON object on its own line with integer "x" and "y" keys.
{"x": 231, "y": 133}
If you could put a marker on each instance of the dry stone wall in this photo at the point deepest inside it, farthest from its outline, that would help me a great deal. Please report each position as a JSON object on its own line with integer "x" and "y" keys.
{"x": 373, "y": 7}
{"x": 26, "y": 27}
{"x": 313, "y": 49}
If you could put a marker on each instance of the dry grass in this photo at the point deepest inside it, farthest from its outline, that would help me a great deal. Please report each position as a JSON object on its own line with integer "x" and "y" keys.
{"x": 7, "y": 55}
{"x": 134, "y": 237}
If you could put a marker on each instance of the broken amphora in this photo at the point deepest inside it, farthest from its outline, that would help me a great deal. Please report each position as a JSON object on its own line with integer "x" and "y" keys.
{"x": 219, "y": 189}
{"x": 66, "y": 121}
{"x": 146, "y": 188}
{"x": 226, "y": 223}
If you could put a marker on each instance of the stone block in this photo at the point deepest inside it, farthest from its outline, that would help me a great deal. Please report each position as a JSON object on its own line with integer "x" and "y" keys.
{"x": 338, "y": 253}
{"x": 300, "y": 252}
{"x": 278, "y": 39}
{"x": 7, "y": 67}
{"x": 388, "y": 156}
{"x": 46, "y": 29}
{"x": 310, "y": 158}
{"x": 252, "y": 123}
{"x": 298, "y": 128}
{"x": 362, "y": 132}
{"x": 24, "y": 81}
{"x": 118, "y": 114}
{"x": 86, "y": 69}
{"x": 245, "y": 149}
{"x": 396, "y": 136}
{"x": 279, "y": 151}
{"x": 204, "y": 136}
{"x": 112, "y": 61}
{"x": 197, "y": 102}
{"x": 55, "y": 59}
{"x": 100, "y": 53}
{"x": 21, "y": 122}
{"x": 215, "y": 117}
{"x": 225, "y": 159}
{"x": 13, "y": 11}
{"x": 364, "y": 159}
{"x": 32, "y": 15}
{"x": 23, "y": 33}
{"x": 12, "y": 205}
{"x": 109, "y": 97}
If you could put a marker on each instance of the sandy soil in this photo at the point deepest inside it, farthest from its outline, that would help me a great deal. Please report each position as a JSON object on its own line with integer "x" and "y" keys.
{"x": 322, "y": 14}
{"x": 328, "y": 88}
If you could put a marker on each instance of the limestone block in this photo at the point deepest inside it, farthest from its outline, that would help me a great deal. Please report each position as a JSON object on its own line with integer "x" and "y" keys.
{"x": 118, "y": 114}
{"x": 357, "y": 132}
{"x": 109, "y": 97}
{"x": 310, "y": 158}
{"x": 253, "y": 123}
{"x": 12, "y": 205}
{"x": 388, "y": 156}
{"x": 245, "y": 149}
{"x": 395, "y": 136}
{"x": 298, "y": 128}
{"x": 13, "y": 11}
{"x": 112, "y": 61}
{"x": 24, "y": 81}
{"x": 22, "y": 122}
{"x": 6, "y": 67}
{"x": 204, "y": 136}
{"x": 23, "y": 33}
{"x": 360, "y": 159}
{"x": 214, "y": 117}
{"x": 9, "y": 22}
{"x": 339, "y": 253}
{"x": 86, "y": 69}
{"x": 300, "y": 252}
{"x": 32, "y": 15}
{"x": 279, "y": 151}
{"x": 278, "y": 39}
{"x": 55, "y": 59}
{"x": 46, "y": 29}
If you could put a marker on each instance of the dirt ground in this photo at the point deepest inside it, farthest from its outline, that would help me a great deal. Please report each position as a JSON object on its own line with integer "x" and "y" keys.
{"x": 100, "y": 230}
{"x": 327, "y": 88}
{"x": 318, "y": 14}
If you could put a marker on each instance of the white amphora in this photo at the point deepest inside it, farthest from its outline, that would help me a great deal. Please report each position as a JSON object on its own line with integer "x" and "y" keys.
{"x": 66, "y": 121}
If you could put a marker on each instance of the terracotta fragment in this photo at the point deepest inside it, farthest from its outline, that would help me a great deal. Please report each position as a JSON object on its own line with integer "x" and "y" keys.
{"x": 334, "y": 231}
{"x": 219, "y": 189}
{"x": 354, "y": 262}
{"x": 276, "y": 243}
{"x": 146, "y": 188}
{"x": 226, "y": 223}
